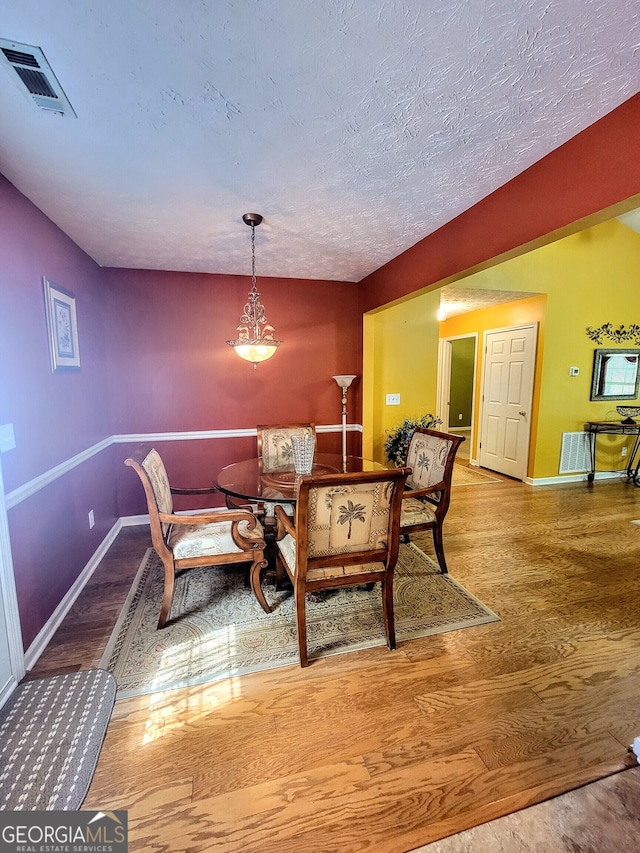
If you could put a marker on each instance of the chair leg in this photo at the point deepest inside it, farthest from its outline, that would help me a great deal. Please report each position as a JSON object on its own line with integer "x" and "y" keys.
{"x": 387, "y": 607}
{"x": 167, "y": 596}
{"x": 301, "y": 624}
{"x": 254, "y": 577}
{"x": 439, "y": 546}
{"x": 281, "y": 574}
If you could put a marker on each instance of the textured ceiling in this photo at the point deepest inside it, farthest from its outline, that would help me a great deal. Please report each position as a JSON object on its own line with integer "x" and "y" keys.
{"x": 356, "y": 127}
{"x": 456, "y": 300}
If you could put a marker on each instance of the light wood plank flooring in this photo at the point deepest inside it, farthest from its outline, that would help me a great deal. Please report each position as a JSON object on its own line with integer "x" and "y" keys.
{"x": 386, "y": 751}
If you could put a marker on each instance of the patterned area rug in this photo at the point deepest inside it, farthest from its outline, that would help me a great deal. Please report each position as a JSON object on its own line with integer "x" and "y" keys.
{"x": 218, "y": 629}
{"x": 463, "y": 476}
{"x": 51, "y": 733}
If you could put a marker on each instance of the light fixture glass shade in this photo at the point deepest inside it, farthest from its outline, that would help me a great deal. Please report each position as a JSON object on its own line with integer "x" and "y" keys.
{"x": 345, "y": 379}
{"x": 255, "y": 351}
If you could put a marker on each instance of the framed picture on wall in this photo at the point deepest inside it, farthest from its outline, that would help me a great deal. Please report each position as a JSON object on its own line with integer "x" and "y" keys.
{"x": 62, "y": 326}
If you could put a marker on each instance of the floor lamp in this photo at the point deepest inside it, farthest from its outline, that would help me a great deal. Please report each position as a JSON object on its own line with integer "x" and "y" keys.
{"x": 343, "y": 382}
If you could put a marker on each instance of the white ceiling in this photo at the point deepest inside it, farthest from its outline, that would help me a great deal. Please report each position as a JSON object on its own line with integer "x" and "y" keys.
{"x": 355, "y": 127}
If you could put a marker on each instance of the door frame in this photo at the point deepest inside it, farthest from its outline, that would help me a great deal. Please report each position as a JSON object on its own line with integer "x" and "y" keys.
{"x": 9, "y": 603}
{"x": 443, "y": 387}
{"x": 535, "y": 325}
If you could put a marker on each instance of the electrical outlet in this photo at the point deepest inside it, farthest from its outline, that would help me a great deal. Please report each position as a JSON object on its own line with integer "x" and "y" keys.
{"x": 623, "y": 452}
{"x": 393, "y": 399}
{"x": 460, "y": 417}
{"x": 92, "y": 519}
{"x": 7, "y": 438}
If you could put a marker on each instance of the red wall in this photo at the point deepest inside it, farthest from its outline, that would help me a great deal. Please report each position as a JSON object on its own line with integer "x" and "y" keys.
{"x": 55, "y": 416}
{"x": 185, "y": 377}
{"x": 595, "y": 170}
{"x": 170, "y": 369}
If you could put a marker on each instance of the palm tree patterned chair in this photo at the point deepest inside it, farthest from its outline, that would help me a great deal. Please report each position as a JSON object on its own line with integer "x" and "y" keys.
{"x": 430, "y": 456}
{"x": 212, "y": 538}
{"x": 346, "y": 532}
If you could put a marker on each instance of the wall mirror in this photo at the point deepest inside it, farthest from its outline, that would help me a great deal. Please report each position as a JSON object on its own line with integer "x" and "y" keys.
{"x": 615, "y": 374}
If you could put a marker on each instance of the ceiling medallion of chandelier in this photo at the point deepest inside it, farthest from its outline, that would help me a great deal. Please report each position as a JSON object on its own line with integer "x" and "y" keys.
{"x": 255, "y": 341}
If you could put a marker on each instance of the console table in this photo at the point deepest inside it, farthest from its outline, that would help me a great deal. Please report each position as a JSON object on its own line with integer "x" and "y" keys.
{"x": 596, "y": 428}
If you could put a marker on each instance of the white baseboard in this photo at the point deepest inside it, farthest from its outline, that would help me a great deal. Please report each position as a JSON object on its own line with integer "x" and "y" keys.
{"x": 573, "y": 478}
{"x": 133, "y": 520}
{"x": 562, "y": 478}
{"x": 55, "y": 620}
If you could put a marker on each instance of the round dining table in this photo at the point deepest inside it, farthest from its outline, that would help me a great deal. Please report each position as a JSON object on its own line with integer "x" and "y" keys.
{"x": 249, "y": 481}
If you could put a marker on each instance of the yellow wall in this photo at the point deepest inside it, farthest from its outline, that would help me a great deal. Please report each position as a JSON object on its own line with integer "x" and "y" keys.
{"x": 589, "y": 278}
{"x": 400, "y": 357}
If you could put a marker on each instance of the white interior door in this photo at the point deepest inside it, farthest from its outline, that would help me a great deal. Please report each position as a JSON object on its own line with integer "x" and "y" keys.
{"x": 507, "y": 393}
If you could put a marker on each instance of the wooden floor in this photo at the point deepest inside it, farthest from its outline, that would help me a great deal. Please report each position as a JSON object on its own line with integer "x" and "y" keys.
{"x": 386, "y": 751}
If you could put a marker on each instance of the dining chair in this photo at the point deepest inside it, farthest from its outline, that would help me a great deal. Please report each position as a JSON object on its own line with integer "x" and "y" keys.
{"x": 346, "y": 532}
{"x": 210, "y": 538}
{"x": 274, "y": 444}
{"x": 425, "y": 503}
{"x": 275, "y": 452}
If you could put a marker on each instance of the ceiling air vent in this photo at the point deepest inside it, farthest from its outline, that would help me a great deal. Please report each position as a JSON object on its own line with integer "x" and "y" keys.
{"x": 34, "y": 76}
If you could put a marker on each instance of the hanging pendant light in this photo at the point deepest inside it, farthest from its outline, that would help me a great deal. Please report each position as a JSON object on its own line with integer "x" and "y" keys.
{"x": 255, "y": 341}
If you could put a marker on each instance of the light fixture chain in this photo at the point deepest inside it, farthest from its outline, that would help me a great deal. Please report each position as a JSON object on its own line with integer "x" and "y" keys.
{"x": 253, "y": 257}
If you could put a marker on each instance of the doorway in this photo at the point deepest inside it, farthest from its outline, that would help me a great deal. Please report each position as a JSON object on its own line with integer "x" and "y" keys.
{"x": 456, "y": 388}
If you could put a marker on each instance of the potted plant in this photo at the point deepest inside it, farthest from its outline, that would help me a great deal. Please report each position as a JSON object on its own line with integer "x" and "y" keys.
{"x": 398, "y": 438}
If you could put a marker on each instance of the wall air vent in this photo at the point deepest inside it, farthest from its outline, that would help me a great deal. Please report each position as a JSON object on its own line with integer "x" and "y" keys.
{"x": 34, "y": 77}
{"x": 575, "y": 455}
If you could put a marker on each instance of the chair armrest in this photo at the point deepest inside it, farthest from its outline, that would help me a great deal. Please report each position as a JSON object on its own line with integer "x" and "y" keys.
{"x": 424, "y": 493}
{"x": 245, "y": 543}
{"x": 210, "y": 517}
{"x": 285, "y": 524}
{"x": 207, "y": 491}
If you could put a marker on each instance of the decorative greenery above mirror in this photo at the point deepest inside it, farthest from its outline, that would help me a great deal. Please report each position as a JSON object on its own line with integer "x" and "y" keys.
{"x": 619, "y": 335}
{"x": 615, "y": 374}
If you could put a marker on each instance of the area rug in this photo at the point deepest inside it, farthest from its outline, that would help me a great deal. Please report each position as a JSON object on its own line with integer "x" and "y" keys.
{"x": 51, "y": 733}
{"x": 219, "y": 630}
{"x": 463, "y": 476}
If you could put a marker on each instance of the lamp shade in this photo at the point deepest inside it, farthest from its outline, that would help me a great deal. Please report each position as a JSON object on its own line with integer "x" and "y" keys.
{"x": 345, "y": 379}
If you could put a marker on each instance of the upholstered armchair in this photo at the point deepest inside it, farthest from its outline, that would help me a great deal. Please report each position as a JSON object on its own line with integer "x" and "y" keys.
{"x": 430, "y": 456}
{"x": 345, "y": 533}
{"x": 275, "y": 452}
{"x": 211, "y": 538}
{"x": 274, "y": 444}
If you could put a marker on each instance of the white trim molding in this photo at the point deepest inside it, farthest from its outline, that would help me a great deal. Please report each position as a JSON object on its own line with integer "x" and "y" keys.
{"x": 31, "y": 487}
{"x": 55, "y": 620}
{"x": 9, "y": 603}
{"x": 573, "y": 478}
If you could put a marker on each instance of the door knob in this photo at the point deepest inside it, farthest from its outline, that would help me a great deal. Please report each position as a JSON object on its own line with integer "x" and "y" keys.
{"x": 524, "y": 414}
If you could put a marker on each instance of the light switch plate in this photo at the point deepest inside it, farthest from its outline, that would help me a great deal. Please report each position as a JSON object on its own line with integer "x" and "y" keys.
{"x": 574, "y": 371}
{"x": 7, "y": 438}
{"x": 393, "y": 399}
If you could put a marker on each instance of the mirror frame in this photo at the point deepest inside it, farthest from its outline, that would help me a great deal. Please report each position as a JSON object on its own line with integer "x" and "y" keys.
{"x": 598, "y": 367}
